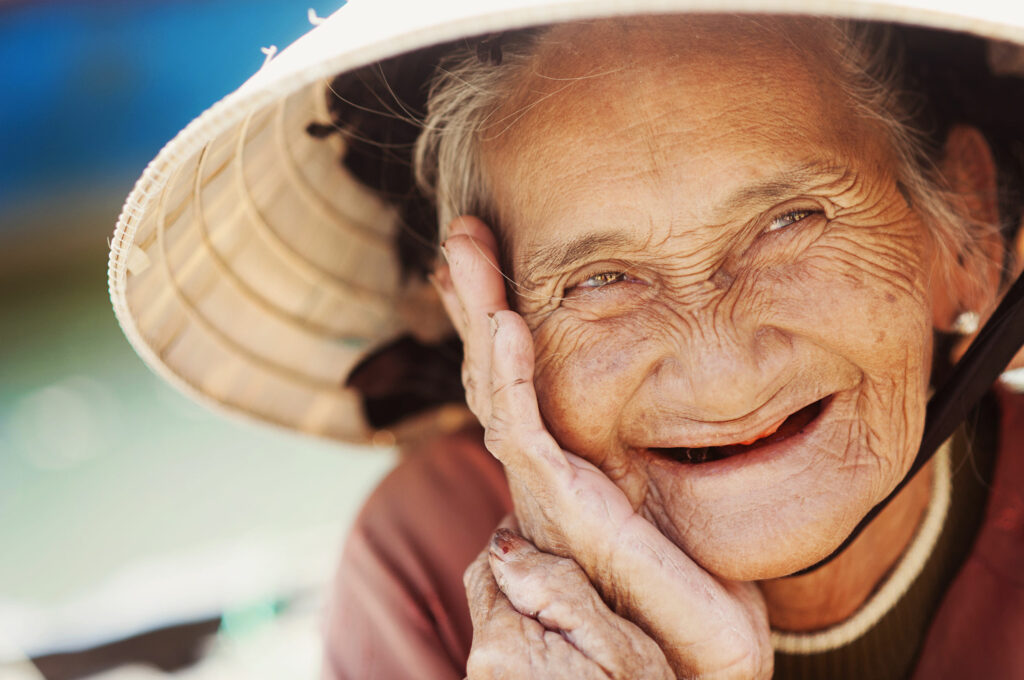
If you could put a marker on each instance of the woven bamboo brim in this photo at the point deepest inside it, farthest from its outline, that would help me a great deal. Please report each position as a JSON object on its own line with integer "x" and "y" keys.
{"x": 252, "y": 271}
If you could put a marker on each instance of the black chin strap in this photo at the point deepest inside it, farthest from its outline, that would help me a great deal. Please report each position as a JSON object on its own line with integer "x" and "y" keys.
{"x": 987, "y": 357}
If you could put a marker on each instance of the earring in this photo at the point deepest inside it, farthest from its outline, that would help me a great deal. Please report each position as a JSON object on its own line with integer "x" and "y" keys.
{"x": 967, "y": 323}
{"x": 1013, "y": 380}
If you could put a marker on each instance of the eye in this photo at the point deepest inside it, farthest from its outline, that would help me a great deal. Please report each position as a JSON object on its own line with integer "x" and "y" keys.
{"x": 789, "y": 219}
{"x": 606, "y": 288}
{"x": 602, "y": 279}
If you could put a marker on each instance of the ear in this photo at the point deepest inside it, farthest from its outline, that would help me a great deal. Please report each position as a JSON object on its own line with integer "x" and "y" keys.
{"x": 969, "y": 169}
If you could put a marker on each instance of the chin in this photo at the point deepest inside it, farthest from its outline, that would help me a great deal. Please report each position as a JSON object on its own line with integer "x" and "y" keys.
{"x": 769, "y": 556}
{"x": 770, "y": 535}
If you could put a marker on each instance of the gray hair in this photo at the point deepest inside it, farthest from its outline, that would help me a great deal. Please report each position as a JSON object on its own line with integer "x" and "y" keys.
{"x": 467, "y": 92}
{"x": 463, "y": 98}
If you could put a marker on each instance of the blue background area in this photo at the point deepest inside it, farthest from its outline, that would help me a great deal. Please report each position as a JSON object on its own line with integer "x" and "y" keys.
{"x": 123, "y": 504}
{"x": 91, "y": 91}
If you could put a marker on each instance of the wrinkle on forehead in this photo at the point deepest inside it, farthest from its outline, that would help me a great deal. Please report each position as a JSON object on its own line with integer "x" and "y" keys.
{"x": 602, "y": 89}
{"x": 631, "y": 57}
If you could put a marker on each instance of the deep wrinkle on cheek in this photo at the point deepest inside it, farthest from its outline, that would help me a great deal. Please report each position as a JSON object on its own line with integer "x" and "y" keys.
{"x": 894, "y": 364}
{"x": 589, "y": 364}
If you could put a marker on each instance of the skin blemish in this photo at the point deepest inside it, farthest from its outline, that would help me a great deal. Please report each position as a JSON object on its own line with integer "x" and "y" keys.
{"x": 722, "y": 279}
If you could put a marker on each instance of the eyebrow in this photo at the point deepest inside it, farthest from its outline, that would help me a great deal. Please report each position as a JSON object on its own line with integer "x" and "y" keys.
{"x": 787, "y": 182}
{"x": 556, "y": 257}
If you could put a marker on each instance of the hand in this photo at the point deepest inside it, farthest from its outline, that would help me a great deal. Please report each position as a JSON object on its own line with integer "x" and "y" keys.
{"x": 469, "y": 299}
{"x": 536, "y": 615}
{"x": 568, "y": 507}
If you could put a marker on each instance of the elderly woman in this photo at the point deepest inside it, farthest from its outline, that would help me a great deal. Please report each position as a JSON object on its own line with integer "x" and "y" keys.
{"x": 708, "y": 359}
{"x": 704, "y": 271}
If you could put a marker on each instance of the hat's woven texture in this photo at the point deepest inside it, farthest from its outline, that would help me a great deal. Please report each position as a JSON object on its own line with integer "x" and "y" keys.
{"x": 252, "y": 271}
{"x": 264, "y": 271}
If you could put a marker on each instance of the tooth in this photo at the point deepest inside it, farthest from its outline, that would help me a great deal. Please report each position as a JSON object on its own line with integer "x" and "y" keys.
{"x": 697, "y": 455}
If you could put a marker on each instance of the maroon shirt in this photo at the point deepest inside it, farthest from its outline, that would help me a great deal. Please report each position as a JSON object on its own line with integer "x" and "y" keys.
{"x": 399, "y": 609}
{"x": 979, "y": 630}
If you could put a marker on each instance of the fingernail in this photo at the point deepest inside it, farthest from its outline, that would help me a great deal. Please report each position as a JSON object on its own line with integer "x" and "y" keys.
{"x": 494, "y": 324}
{"x": 506, "y": 544}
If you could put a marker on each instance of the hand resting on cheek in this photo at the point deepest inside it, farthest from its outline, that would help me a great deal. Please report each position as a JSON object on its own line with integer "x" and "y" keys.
{"x": 575, "y": 514}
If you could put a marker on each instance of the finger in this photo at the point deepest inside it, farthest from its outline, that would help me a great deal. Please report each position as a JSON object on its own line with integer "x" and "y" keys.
{"x": 476, "y": 229}
{"x": 516, "y": 434}
{"x": 507, "y": 644}
{"x": 556, "y": 592}
{"x": 441, "y": 278}
{"x": 509, "y": 522}
{"x": 467, "y": 225}
{"x": 479, "y": 289}
{"x": 513, "y": 655}
{"x": 442, "y": 281}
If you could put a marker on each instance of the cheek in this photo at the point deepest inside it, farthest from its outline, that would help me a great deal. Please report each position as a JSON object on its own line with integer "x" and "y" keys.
{"x": 867, "y": 303}
{"x": 877, "y": 318}
{"x": 585, "y": 374}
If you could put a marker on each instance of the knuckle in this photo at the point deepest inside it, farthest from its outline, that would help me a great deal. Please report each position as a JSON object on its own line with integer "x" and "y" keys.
{"x": 498, "y": 436}
{"x": 562, "y": 613}
{"x": 493, "y": 436}
{"x": 469, "y": 382}
{"x": 476, "y": 398}
{"x": 502, "y": 438}
{"x": 499, "y": 389}
{"x": 504, "y": 429}
{"x": 538, "y": 589}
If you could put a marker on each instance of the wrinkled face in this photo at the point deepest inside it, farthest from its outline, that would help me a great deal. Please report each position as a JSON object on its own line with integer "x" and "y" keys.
{"x": 710, "y": 247}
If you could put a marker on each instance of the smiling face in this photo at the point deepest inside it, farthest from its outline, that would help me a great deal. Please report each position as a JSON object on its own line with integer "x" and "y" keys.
{"x": 709, "y": 246}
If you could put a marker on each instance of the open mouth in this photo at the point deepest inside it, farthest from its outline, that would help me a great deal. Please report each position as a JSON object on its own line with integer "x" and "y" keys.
{"x": 793, "y": 425}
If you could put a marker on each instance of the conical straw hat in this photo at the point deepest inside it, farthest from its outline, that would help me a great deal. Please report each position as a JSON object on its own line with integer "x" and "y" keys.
{"x": 252, "y": 271}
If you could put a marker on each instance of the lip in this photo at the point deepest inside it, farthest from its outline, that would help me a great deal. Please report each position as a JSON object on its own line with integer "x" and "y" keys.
{"x": 797, "y": 427}
{"x": 725, "y": 433}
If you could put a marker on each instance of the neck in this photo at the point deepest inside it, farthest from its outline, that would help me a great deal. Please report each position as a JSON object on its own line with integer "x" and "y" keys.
{"x": 834, "y": 592}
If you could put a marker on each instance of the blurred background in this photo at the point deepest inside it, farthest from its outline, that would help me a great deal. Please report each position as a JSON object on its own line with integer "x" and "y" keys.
{"x": 140, "y": 536}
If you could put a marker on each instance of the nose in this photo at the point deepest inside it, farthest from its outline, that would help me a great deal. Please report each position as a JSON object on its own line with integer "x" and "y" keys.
{"x": 720, "y": 375}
